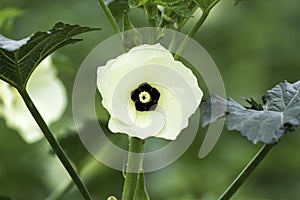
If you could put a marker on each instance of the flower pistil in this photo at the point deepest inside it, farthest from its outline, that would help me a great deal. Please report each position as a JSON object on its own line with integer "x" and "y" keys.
{"x": 145, "y": 97}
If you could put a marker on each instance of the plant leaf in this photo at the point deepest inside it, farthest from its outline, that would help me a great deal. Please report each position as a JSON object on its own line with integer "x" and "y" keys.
{"x": 282, "y": 96}
{"x": 254, "y": 104}
{"x": 19, "y": 58}
{"x": 281, "y": 114}
{"x": 137, "y": 3}
{"x": 180, "y": 7}
{"x": 206, "y": 5}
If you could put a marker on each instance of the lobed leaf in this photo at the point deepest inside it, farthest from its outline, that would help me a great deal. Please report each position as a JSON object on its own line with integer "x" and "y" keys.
{"x": 19, "y": 58}
{"x": 180, "y": 7}
{"x": 280, "y": 114}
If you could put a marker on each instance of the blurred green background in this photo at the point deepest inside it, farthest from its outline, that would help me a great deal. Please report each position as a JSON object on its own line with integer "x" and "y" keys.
{"x": 255, "y": 45}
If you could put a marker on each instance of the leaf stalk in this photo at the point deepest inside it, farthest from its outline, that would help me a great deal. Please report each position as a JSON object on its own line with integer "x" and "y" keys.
{"x": 110, "y": 17}
{"x": 251, "y": 166}
{"x": 54, "y": 144}
{"x": 191, "y": 34}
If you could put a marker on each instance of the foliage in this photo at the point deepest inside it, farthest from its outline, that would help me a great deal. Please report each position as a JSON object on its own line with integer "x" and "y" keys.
{"x": 20, "y": 58}
{"x": 206, "y": 5}
{"x": 227, "y": 38}
{"x": 280, "y": 114}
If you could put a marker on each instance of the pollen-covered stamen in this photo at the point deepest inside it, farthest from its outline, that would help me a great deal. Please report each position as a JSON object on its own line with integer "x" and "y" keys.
{"x": 145, "y": 97}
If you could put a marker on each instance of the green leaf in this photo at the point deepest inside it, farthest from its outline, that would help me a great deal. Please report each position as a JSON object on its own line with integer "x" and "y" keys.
{"x": 280, "y": 114}
{"x": 19, "y": 58}
{"x": 206, "y": 5}
{"x": 254, "y": 105}
{"x": 137, "y": 3}
{"x": 180, "y": 7}
{"x": 117, "y": 7}
{"x": 140, "y": 191}
{"x": 175, "y": 20}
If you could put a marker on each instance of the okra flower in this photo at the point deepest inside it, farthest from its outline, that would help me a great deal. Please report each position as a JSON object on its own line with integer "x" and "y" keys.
{"x": 147, "y": 93}
{"x": 48, "y": 94}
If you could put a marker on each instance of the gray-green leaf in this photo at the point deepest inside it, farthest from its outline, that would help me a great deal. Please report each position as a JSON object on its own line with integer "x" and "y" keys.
{"x": 281, "y": 114}
{"x": 19, "y": 58}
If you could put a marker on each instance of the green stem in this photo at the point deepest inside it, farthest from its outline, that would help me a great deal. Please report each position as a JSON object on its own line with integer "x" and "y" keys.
{"x": 238, "y": 182}
{"x": 194, "y": 30}
{"x": 134, "y": 163}
{"x": 113, "y": 23}
{"x": 110, "y": 17}
{"x": 191, "y": 34}
{"x": 54, "y": 144}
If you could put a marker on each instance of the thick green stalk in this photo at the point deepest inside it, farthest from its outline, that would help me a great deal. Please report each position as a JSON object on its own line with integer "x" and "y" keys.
{"x": 54, "y": 144}
{"x": 238, "y": 182}
{"x": 134, "y": 163}
{"x": 191, "y": 34}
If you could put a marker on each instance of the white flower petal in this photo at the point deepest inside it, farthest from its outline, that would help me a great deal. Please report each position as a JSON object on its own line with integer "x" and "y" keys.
{"x": 183, "y": 85}
{"x": 6, "y": 97}
{"x": 116, "y": 69}
{"x": 185, "y": 72}
{"x": 143, "y": 131}
{"x": 18, "y": 117}
{"x": 172, "y": 109}
{"x": 180, "y": 94}
{"x": 47, "y": 91}
{"x": 135, "y": 123}
{"x": 48, "y": 94}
